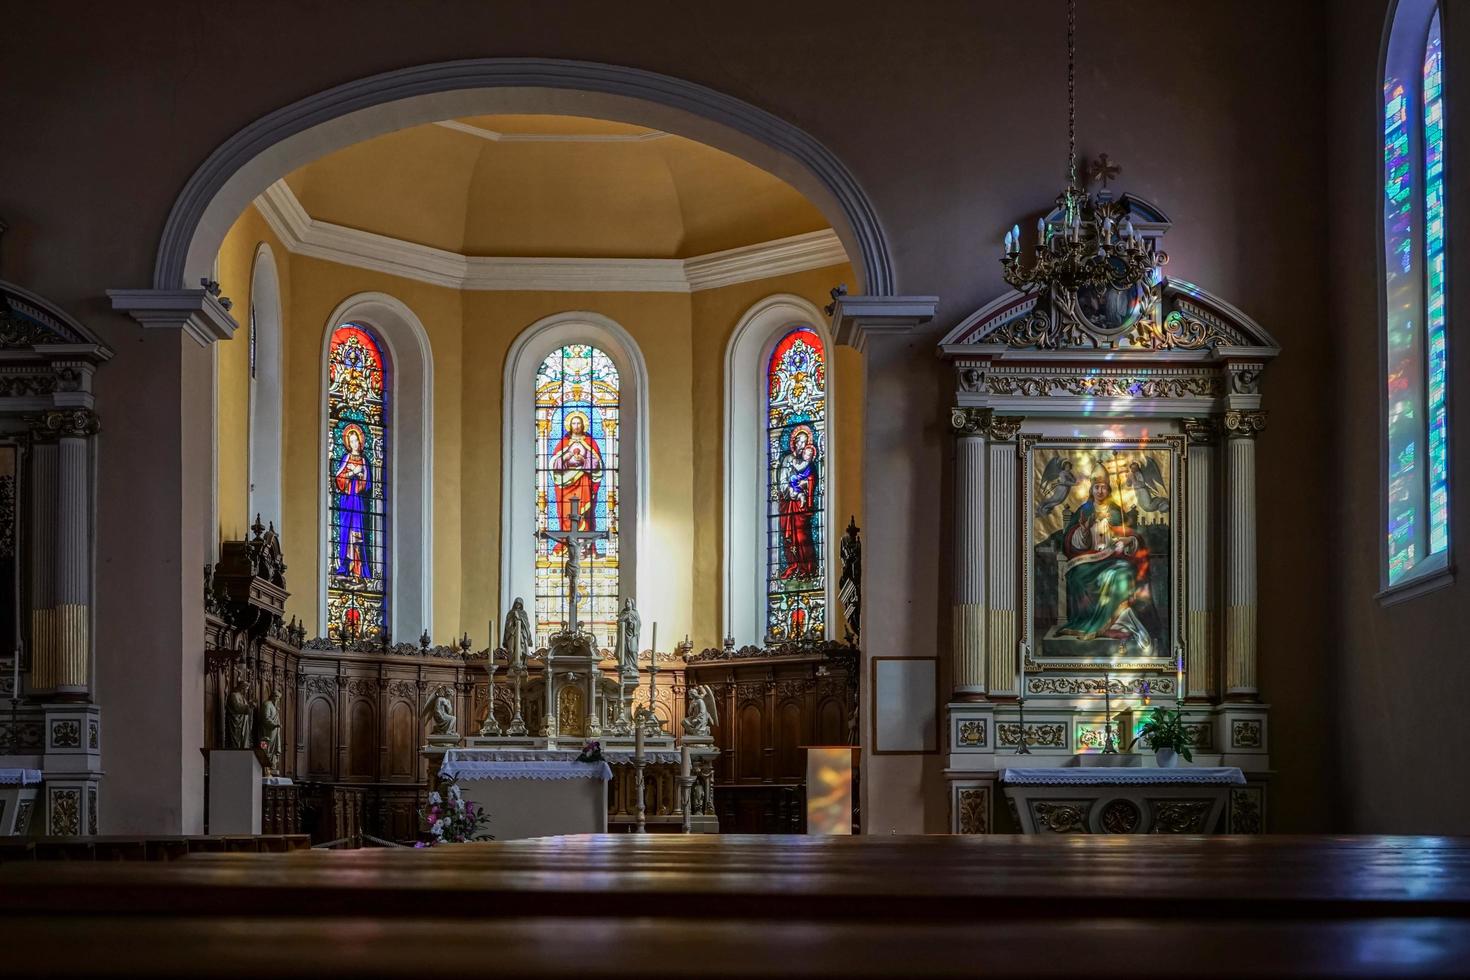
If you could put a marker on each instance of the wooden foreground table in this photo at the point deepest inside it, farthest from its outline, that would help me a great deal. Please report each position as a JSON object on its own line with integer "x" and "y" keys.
{"x": 625, "y": 905}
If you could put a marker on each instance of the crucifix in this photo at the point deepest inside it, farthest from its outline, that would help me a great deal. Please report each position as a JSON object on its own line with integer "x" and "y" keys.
{"x": 573, "y": 540}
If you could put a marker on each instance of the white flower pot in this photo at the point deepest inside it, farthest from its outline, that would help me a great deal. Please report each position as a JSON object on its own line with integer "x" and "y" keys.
{"x": 1166, "y": 758}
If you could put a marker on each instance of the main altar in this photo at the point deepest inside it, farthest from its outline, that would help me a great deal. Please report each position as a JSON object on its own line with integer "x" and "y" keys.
{"x": 1104, "y": 520}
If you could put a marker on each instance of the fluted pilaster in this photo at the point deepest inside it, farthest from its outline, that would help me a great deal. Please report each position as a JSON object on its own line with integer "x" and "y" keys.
{"x": 44, "y": 668}
{"x": 969, "y": 576}
{"x": 1199, "y": 624}
{"x": 1240, "y": 557}
{"x": 62, "y": 641}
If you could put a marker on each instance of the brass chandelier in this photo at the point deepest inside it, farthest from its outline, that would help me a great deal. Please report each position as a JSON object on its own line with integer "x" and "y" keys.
{"x": 1097, "y": 270}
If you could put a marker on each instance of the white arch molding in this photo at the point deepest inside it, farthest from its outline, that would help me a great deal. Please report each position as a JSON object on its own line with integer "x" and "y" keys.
{"x": 410, "y": 466}
{"x": 518, "y": 448}
{"x": 264, "y": 467}
{"x": 242, "y": 167}
{"x": 746, "y": 469}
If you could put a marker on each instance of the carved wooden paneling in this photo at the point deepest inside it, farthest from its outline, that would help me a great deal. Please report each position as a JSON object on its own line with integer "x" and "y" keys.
{"x": 320, "y": 744}
{"x": 402, "y": 750}
{"x": 362, "y": 740}
{"x": 789, "y": 739}
{"x": 831, "y": 723}
{"x": 750, "y": 742}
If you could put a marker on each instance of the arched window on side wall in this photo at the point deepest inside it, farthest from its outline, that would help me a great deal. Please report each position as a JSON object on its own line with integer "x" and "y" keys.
{"x": 577, "y": 432}
{"x": 796, "y": 487}
{"x": 265, "y": 389}
{"x": 779, "y": 468}
{"x": 1416, "y": 498}
{"x": 359, "y": 383}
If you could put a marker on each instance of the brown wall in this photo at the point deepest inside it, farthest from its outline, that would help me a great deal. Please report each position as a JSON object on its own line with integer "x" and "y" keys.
{"x": 950, "y": 115}
{"x": 1400, "y": 671}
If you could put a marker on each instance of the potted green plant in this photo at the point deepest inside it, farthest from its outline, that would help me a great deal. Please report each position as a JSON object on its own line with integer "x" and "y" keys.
{"x": 1164, "y": 732}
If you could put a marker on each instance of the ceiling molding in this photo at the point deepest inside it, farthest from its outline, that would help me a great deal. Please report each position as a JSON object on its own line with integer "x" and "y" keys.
{"x": 301, "y": 234}
{"x": 496, "y": 137}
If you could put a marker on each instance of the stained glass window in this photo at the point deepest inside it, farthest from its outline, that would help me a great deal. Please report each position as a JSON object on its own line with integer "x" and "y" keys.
{"x": 796, "y": 488}
{"x": 358, "y": 387}
{"x": 1414, "y": 243}
{"x": 577, "y": 488}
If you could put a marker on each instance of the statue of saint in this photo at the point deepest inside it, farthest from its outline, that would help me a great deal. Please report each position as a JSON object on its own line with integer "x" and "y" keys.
{"x": 850, "y": 584}
{"x": 268, "y": 725}
{"x": 439, "y": 713}
{"x": 630, "y": 625}
{"x": 238, "y": 711}
{"x": 515, "y": 639}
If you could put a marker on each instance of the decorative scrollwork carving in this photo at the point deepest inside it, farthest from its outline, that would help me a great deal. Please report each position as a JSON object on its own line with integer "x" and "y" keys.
{"x": 971, "y": 734}
{"x": 1245, "y": 812}
{"x": 1093, "y": 686}
{"x": 1061, "y": 818}
{"x": 1244, "y": 425}
{"x": 1105, "y": 386}
{"x": 1187, "y": 327}
{"x": 1120, "y": 817}
{"x": 1180, "y": 816}
{"x": 974, "y": 810}
{"x": 984, "y": 422}
{"x": 1043, "y": 734}
{"x": 66, "y": 423}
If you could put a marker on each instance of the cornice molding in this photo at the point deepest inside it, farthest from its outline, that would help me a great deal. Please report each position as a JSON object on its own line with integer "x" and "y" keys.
{"x": 194, "y": 311}
{"x": 301, "y": 234}
{"x": 856, "y": 318}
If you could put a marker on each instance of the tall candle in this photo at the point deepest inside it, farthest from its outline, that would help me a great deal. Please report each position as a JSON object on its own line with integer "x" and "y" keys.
{"x": 684, "y": 762}
{"x": 1179, "y": 672}
{"x": 1021, "y": 656}
{"x": 638, "y": 742}
{"x": 15, "y": 676}
{"x": 653, "y": 648}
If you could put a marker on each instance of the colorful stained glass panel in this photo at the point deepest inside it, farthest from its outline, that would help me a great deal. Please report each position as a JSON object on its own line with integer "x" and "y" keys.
{"x": 796, "y": 458}
{"x": 1437, "y": 412}
{"x": 357, "y": 555}
{"x": 577, "y": 391}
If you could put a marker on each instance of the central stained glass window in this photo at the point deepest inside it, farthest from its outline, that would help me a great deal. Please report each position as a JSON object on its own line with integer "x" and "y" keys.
{"x": 796, "y": 489}
{"x": 577, "y": 455}
{"x": 357, "y": 478}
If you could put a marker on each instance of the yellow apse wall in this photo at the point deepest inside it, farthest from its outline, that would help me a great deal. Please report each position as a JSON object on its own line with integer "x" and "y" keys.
{"x": 682, "y": 338}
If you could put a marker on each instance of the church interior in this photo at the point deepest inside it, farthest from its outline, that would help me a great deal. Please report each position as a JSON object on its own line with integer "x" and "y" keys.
{"x": 596, "y": 489}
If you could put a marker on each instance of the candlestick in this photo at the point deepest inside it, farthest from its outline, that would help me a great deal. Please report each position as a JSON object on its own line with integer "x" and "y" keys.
{"x": 1109, "y": 746}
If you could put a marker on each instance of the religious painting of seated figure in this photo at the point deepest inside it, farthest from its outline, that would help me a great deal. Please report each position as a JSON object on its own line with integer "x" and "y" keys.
{"x": 1102, "y": 550}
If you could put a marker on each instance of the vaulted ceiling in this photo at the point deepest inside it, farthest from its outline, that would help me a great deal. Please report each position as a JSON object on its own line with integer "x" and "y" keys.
{"x": 553, "y": 186}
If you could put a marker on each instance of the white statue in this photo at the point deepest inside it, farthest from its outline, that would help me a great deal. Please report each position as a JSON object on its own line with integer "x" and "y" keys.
{"x": 439, "y": 713}
{"x": 516, "y": 637}
{"x": 238, "y": 709}
{"x": 700, "y": 713}
{"x": 630, "y": 625}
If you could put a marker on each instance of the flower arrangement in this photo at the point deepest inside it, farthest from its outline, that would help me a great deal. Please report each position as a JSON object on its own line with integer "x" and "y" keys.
{"x": 452, "y": 819}
{"x": 591, "y": 752}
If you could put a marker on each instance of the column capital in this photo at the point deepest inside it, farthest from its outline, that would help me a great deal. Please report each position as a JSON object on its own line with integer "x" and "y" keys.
{"x": 1244, "y": 425}
{"x": 1202, "y": 431}
{"x": 62, "y": 423}
{"x": 984, "y": 422}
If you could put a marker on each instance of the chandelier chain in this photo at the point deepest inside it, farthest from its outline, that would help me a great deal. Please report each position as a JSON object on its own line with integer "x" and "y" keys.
{"x": 1071, "y": 93}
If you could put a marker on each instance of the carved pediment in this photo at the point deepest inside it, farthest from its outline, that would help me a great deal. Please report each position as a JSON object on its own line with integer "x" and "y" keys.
{"x": 27, "y": 322}
{"x": 1186, "y": 320}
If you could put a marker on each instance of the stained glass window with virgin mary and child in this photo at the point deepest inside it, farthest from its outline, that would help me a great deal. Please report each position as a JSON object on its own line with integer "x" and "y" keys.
{"x": 796, "y": 490}
{"x": 357, "y": 477}
{"x": 577, "y": 489}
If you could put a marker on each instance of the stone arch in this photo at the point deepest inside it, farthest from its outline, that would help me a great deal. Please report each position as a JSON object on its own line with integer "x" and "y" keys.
{"x": 247, "y": 163}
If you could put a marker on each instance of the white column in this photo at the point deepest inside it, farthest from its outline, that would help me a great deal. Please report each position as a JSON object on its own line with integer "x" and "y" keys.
{"x": 968, "y": 665}
{"x": 1199, "y": 624}
{"x": 1240, "y": 556}
{"x": 1002, "y": 621}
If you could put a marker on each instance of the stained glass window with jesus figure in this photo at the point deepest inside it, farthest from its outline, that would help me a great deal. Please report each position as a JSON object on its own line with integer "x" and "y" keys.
{"x": 357, "y": 430}
{"x": 577, "y": 487}
{"x": 796, "y": 491}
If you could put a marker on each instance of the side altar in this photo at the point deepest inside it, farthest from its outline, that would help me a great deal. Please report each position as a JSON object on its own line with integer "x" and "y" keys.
{"x": 1104, "y": 524}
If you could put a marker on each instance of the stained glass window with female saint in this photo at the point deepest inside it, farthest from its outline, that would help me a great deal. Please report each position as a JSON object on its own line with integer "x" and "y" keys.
{"x": 796, "y": 458}
{"x": 357, "y": 477}
{"x": 577, "y": 392}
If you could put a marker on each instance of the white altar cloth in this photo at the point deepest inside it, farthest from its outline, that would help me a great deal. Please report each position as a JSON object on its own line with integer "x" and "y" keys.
{"x": 614, "y": 756}
{"x": 1120, "y": 776}
{"x": 532, "y": 793}
{"x": 20, "y": 777}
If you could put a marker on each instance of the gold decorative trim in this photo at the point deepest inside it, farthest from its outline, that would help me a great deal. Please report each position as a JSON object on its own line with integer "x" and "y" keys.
{"x": 1244, "y": 425}
{"x": 972, "y": 805}
{"x": 984, "y": 422}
